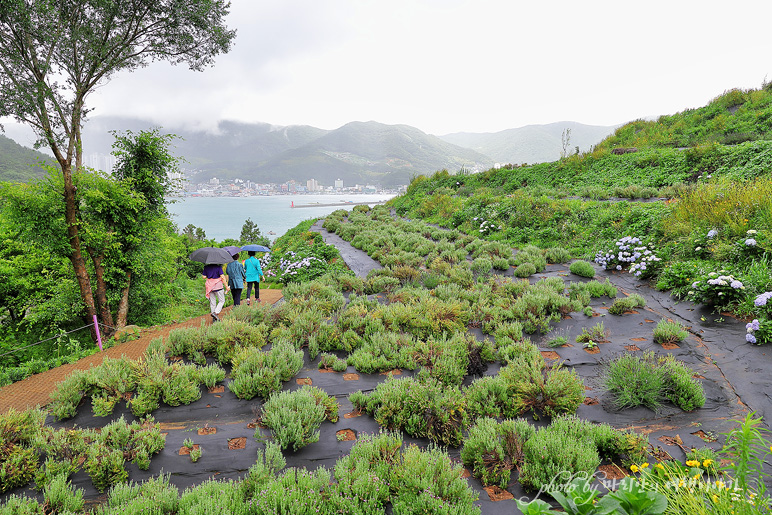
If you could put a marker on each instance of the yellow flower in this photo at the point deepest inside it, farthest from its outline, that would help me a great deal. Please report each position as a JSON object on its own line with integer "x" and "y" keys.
{"x": 719, "y": 484}
{"x": 693, "y": 463}
{"x": 707, "y": 463}
{"x": 644, "y": 465}
{"x": 681, "y": 483}
{"x": 715, "y": 498}
{"x": 634, "y": 468}
{"x": 659, "y": 466}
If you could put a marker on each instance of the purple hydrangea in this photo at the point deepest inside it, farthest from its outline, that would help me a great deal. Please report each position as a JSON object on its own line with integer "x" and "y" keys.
{"x": 750, "y": 338}
{"x": 736, "y": 284}
{"x": 750, "y": 242}
{"x": 752, "y": 326}
{"x": 712, "y": 233}
{"x": 762, "y": 299}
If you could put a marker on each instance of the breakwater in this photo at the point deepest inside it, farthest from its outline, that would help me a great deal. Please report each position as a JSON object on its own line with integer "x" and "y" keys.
{"x": 341, "y": 204}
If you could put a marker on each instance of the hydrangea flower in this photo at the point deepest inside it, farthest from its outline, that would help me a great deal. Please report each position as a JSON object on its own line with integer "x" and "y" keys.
{"x": 750, "y": 338}
{"x": 712, "y": 234}
{"x": 752, "y": 326}
{"x": 762, "y": 299}
{"x": 750, "y": 242}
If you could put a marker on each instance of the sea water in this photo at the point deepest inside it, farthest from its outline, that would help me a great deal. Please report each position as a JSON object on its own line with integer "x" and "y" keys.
{"x": 223, "y": 217}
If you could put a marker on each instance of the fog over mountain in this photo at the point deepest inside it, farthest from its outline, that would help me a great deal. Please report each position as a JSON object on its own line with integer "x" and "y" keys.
{"x": 358, "y": 152}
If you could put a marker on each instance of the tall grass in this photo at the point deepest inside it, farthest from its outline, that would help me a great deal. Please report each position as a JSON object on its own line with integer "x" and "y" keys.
{"x": 729, "y": 206}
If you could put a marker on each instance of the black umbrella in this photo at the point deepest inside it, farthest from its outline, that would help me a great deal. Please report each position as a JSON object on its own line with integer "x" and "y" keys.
{"x": 255, "y": 248}
{"x": 211, "y": 256}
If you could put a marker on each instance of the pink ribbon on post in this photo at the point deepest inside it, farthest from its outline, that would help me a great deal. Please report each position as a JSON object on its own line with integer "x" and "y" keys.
{"x": 99, "y": 337}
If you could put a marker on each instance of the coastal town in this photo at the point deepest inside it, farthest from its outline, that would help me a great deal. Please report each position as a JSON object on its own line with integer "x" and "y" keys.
{"x": 245, "y": 188}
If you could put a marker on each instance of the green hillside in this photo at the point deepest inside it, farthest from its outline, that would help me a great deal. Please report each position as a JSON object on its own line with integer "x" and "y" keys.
{"x": 734, "y": 117}
{"x": 18, "y": 163}
{"x": 731, "y": 137}
{"x": 709, "y": 169}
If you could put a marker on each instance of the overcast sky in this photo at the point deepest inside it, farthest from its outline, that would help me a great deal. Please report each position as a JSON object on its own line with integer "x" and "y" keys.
{"x": 448, "y": 66}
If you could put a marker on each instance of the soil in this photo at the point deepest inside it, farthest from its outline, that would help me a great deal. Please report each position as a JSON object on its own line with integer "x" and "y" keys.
{"x": 345, "y": 435}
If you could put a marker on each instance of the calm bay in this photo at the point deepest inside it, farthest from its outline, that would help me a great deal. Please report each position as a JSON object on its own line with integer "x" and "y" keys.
{"x": 223, "y": 217}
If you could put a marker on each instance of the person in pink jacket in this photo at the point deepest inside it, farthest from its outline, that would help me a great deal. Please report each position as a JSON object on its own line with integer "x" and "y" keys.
{"x": 215, "y": 286}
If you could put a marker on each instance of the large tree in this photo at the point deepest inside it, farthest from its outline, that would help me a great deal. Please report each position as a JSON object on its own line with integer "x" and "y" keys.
{"x": 54, "y": 53}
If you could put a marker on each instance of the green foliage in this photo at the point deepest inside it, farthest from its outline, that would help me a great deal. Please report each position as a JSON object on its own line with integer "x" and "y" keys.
{"x": 429, "y": 482}
{"x": 493, "y": 449}
{"x": 647, "y": 381}
{"x": 424, "y": 408}
{"x": 555, "y": 452}
{"x": 623, "y": 305}
{"x": 250, "y": 234}
{"x": 582, "y": 268}
{"x": 525, "y": 270}
{"x": 596, "y": 333}
{"x": 668, "y": 331}
{"x": 294, "y": 417}
{"x": 61, "y": 497}
{"x": 258, "y": 373}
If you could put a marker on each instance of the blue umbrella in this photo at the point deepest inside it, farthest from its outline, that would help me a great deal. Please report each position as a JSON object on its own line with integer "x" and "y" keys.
{"x": 232, "y": 249}
{"x": 255, "y": 248}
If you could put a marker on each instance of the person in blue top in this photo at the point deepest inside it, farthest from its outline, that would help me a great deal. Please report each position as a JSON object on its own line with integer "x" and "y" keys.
{"x": 236, "y": 276}
{"x": 253, "y": 274}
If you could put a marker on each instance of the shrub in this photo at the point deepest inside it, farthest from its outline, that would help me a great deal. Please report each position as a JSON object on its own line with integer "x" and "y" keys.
{"x": 332, "y": 362}
{"x": 294, "y": 417}
{"x": 622, "y": 305}
{"x": 679, "y": 384}
{"x": 429, "y": 482}
{"x": 61, "y": 497}
{"x": 493, "y": 449}
{"x": 596, "y": 333}
{"x": 717, "y": 290}
{"x": 582, "y": 269}
{"x": 530, "y": 386}
{"x": 557, "y": 255}
{"x": 482, "y": 266}
{"x": 525, "y": 270}
{"x": 258, "y": 373}
{"x": 422, "y": 409}
{"x": 556, "y": 452}
{"x": 668, "y": 331}
{"x": 648, "y": 381}
{"x": 634, "y": 381}
{"x": 630, "y": 254}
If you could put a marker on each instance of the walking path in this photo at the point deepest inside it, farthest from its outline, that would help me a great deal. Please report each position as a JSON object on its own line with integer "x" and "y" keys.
{"x": 35, "y": 390}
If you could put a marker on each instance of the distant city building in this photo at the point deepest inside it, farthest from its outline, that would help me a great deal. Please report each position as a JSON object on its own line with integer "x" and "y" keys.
{"x": 104, "y": 162}
{"x": 312, "y": 185}
{"x": 338, "y": 184}
{"x": 214, "y": 180}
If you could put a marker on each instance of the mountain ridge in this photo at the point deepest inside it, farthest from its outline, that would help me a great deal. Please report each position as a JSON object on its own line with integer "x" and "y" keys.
{"x": 357, "y": 152}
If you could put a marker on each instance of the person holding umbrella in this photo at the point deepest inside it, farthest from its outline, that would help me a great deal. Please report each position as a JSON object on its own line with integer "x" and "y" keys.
{"x": 236, "y": 276}
{"x": 215, "y": 281}
{"x": 253, "y": 274}
{"x": 214, "y": 284}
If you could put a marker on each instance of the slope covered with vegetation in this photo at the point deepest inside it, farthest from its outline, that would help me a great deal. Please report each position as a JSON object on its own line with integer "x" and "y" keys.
{"x": 18, "y": 163}
{"x": 716, "y": 218}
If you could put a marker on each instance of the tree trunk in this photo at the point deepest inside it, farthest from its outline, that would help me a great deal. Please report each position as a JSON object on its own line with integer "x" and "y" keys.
{"x": 123, "y": 306}
{"x": 101, "y": 292}
{"x": 76, "y": 256}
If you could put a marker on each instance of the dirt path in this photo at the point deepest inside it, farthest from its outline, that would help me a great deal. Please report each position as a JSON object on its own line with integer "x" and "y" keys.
{"x": 35, "y": 390}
